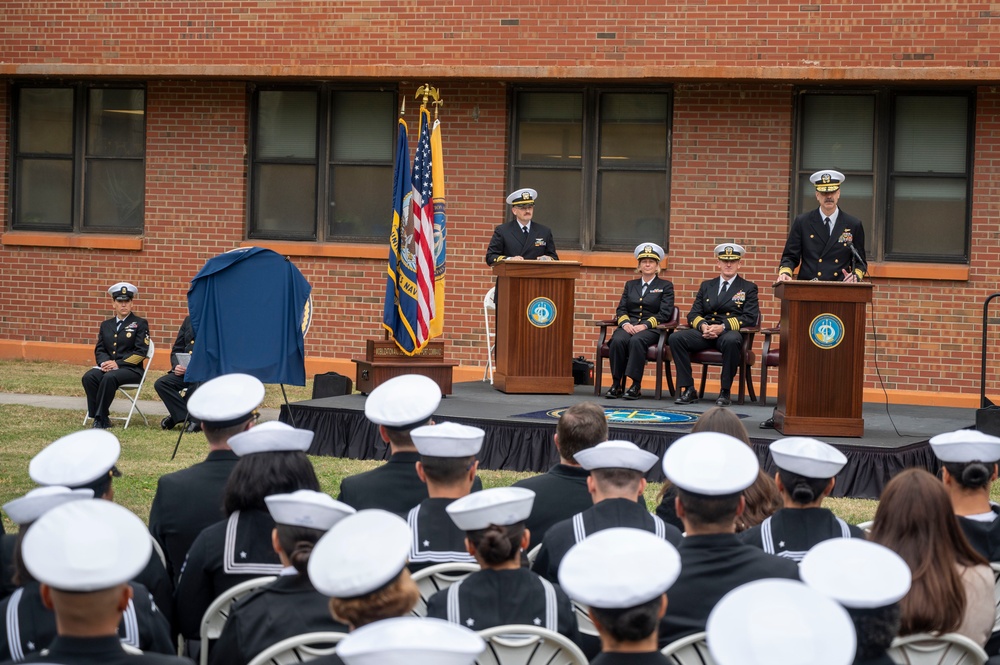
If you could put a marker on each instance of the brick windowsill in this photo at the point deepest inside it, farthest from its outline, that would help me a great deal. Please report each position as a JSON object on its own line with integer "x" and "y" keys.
{"x": 72, "y": 240}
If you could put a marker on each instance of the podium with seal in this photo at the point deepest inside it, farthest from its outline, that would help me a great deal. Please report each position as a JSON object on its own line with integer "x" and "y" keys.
{"x": 535, "y": 306}
{"x": 821, "y": 367}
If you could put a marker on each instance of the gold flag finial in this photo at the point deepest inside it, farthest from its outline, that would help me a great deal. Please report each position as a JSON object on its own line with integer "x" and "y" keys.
{"x": 427, "y": 92}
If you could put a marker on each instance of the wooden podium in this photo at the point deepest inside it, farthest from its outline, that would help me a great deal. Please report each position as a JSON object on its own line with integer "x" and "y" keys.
{"x": 535, "y": 305}
{"x": 821, "y": 367}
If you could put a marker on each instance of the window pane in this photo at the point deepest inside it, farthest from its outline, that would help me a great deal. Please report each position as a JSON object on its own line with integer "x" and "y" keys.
{"x": 838, "y": 132}
{"x": 361, "y": 205}
{"x": 44, "y": 193}
{"x": 633, "y": 129}
{"x": 631, "y": 208}
{"x": 45, "y": 121}
{"x": 363, "y": 126}
{"x": 550, "y": 127}
{"x": 558, "y": 203}
{"x": 931, "y": 134}
{"x": 115, "y": 123}
{"x": 286, "y": 200}
{"x": 286, "y": 124}
{"x": 928, "y": 217}
{"x": 113, "y": 194}
{"x": 856, "y": 198}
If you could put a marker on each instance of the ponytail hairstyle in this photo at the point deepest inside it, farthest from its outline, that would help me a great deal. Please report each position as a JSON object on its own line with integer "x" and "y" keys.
{"x": 297, "y": 543}
{"x": 802, "y": 490}
{"x": 497, "y": 544}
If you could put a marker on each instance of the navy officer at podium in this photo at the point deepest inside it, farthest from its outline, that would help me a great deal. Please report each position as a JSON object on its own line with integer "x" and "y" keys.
{"x": 521, "y": 238}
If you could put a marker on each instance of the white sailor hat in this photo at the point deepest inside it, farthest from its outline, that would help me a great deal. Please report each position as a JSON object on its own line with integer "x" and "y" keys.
{"x": 807, "y": 457}
{"x": 648, "y": 250}
{"x": 448, "y": 440}
{"x": 270, "y": 437}
{"x": 966, "y": 445}
{"x": 779, "y": 621}
{"x": 76, "y": 459}
{"x": 616, "y": 455}
{"x": 86, "y": 546}
{"x": 856, "y": 573}
{"x": 500, "y": 505}
{"x": 729, "y": 251}
{"x": 710, "y": 463}
{"x": 403, "y": 401}
{"x": 522, "y": 197}
{"x": 307, "y": 508}
{"x": 827, "y": 180}
{"x": 226, "y": 400}
{"x": 123, "y": 291}
{"x": 411, "y": 641}
{"x": 361, "y": 553}
{"x": 37, "y": 502}
{"x": 592, "y": 572}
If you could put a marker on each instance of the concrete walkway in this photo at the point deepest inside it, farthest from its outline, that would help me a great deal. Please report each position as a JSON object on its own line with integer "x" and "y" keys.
{"x": 152, "y": 408}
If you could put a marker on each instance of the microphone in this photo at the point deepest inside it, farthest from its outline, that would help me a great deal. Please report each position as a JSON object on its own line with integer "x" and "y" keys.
{"x": 857, "y": 256}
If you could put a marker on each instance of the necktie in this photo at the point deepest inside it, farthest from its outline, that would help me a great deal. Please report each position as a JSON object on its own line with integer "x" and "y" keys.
{"x": 644, "y": 287}
{"x": 829, "y": 225}
{"x": 723, "y": 288}
{"x": 525, "y": 230}
{"x": 119, "y": 326}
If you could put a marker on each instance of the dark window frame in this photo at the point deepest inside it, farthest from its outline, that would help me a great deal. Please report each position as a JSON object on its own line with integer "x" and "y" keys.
{"x": 879, "y": 221}
{"x": 590, "y": 166}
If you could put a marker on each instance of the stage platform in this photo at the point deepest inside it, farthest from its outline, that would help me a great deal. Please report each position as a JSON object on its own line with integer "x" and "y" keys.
{"x": 519, "y": 430}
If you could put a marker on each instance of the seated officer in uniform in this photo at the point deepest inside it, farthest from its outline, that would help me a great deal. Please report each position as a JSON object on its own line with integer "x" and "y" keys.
{"x": 710, "y": 471}
{"x": 503, "y": 592}
{"x": 617, "y": 479}
{"x": 868, "y": 580}
{"x": 646, "y": 303}
{"x": 521, "y": 238}
{"x": 171, "y": 387}
{"x": 622, "y": 575}
{"x": 806, "y": 470}
{"x": 122, "y": 343}
{"x": 448, "y": 465}
{"x": 83, "y": 554}
{"x": 722, "y": 306}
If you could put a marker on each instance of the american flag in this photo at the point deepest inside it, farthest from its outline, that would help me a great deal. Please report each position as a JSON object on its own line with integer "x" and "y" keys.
{"x": 422, "y": 217}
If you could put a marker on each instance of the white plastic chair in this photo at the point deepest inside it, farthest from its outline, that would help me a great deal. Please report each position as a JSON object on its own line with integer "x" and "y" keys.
{"x": 489, "y": 305}
{"x": 528, "y": 645}
{"x": 867, "y": 526}
{"x": 583, "y": 621}
{"x": 533, "y": 554}
{"x": 159, "y": 552}
{"x": 299, "y": 648}
{"x": 214, "y": 619}
{"x": 134, "y": 396}
{"x": 929, "y": 649}
{"x": 690, "y": 650}
{"x": 435, "y": 578}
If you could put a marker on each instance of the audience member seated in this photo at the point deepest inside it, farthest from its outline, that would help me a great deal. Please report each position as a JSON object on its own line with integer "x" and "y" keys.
{"x": 173, "y": 390}
{"x": 411, "y": 641}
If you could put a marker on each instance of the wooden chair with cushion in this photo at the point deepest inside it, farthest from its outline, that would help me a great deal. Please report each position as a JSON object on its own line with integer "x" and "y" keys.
{"x": 658, "y": 353}
{"x": 747, "y": 359}
{"x": 768, "y": 358}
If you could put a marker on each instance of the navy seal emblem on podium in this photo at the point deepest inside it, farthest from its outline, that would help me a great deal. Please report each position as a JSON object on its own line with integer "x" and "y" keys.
{"x": 826, "y": 331}
{"x": 541, "y": 312}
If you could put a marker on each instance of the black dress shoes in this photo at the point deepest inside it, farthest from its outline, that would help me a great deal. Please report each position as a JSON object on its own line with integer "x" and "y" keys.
{"x": 723, "y": 399}
{"x": 167, "y": 423}
{"x": 615, "y": 391}
{"x": 767, "y": 424}
{"x": 633, "y": 391}
{"x": 102, "y": 423}
{"x": 686, "y": 396}
{"x": 192, "y": 427}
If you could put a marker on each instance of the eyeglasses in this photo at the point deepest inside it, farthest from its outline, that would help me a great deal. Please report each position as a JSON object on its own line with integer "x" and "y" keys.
{"x": 528, "y": 206}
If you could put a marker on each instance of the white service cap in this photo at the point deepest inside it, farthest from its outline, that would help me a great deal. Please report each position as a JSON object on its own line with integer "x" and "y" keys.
{"x": 648, "y": 250}
{"x": 447, "y": 440}
{"x": 76, "y": 459}
{"x": 270, "y": 437}
{"x": 307, "y": 508}
{"x": 361, "y": 553}
{"x": 499, "y": 505}
{"x": 856, "y": 573}
{"x": 729, "y": 251}
{"x": 411, "y": 641}
{"x": 226, "y": 400}
{"x": 966, "y": 445}
{"x": 710, "y": 463}
{"x": 123, "y": 291}
{"x": 403, "y": 401}
{"x": 827, "y": 180}
{"x": 86, "y": 546}
{"x": 618, "y": 568}
{"x": 779, "y": 621}
{"x": 522, "y": 197}
{"x": 37, "y": 502}
{"x": 616, "y": 455}
{"x": 807, "y": 457}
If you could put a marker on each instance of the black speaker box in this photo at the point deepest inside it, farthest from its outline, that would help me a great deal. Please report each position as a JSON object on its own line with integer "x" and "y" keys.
{"x": 988, "y": 420}
{"x": 331, "y": 384}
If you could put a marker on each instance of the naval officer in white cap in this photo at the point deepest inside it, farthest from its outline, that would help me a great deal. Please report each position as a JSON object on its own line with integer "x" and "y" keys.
{"x": 617, "y": 481}
{"x": 805, "y": 476}
{"x": 710, "y": 471}
{"x": 521, "y": 238}
{"x": 122, "y": 344}
{"x": 397, "y": 407}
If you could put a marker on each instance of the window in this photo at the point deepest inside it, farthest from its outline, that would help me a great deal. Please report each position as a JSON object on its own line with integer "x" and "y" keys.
{"x": 79, "y": 158}
{"x": 599, "y": 160}
{"x": 907, "y": 156}
{"x": 322, "y": 164}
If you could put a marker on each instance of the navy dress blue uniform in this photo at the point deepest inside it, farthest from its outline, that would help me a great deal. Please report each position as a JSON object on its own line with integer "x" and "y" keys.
{"x": 99, "y": 651}
{"x": 286, "y": 607}
{"x": 436, "y": 539}
{"x": 560, "y": 493}
{"x": 627, "y": 353}
{"x": 509, "y": 240}
{"x": 188, "y": 501}
{"x": 791, "y": 532}
{"x": 170, "y": 386}
{"x": 29, "y": 626}
{"x": 983, "y": 536}
{"x": 820, "y": 254}
{"x": 127, "y": 344}
{"x": 606, "y": 514}
{"x": 7, "y": 543}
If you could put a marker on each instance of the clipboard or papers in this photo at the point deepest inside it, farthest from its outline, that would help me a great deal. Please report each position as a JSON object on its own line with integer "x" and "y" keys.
{"x": 183, "y": 359}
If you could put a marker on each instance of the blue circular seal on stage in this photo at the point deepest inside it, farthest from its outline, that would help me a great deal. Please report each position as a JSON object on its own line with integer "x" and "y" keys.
{"x": 625, "y": 416}
{"x": 826, "y": 331}
{"x": 541, "y": 312}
